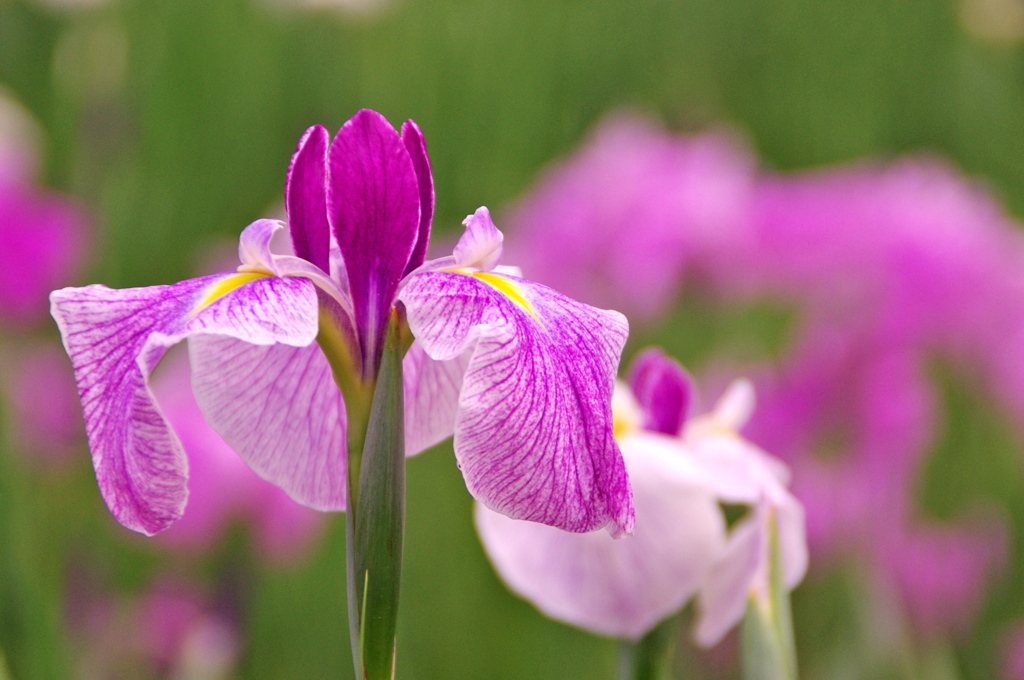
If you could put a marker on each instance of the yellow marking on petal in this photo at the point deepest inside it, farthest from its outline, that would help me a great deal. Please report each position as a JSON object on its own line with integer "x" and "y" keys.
{"x": 508, "y": 289}
{"x": 224, "y": 286}
{"x": 621, "y": 426}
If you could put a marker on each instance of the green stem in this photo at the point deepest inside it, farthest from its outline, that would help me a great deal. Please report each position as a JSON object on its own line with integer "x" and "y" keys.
{"x": 375, "y": 521}
{"x": 769, "y": 650}
{"x": 650, "y": 658}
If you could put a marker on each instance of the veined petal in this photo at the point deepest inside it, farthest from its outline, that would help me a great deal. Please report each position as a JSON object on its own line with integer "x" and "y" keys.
{"x": 664, "y": 390}
{"x": 412, "y": 137}
{"x": 533, "y": 431}
{"x": 256, "y": 254}
{"x": 116, "y": 337}
{"x": 279, "y": 408}
{"x": 431, "y": 397}
{"x": 373, "y": 206}
{"x": 618, "y": 587}
{"x": 305, "y": 198}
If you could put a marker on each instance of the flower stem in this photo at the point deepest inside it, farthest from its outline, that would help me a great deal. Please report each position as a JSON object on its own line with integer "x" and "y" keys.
{"x": 375, "y": 522}
{"x": 769, "y": 651}
{"x": 650, "y": 658}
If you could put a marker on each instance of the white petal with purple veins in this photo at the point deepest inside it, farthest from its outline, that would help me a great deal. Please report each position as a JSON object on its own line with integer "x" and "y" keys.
{"x": 533, "y": 429}
{"x": 116, "y": 337}
{"x": 279, "y": 408}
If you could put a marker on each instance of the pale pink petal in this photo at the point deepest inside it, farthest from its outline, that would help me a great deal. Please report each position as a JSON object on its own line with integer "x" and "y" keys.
{"x": 618, "y": 587}
{"x": 431, "y": 397}
{"x": 278, "y": 407}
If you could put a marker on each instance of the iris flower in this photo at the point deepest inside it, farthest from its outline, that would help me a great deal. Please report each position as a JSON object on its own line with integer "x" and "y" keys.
{"x": 521, "y": 375}
{"x": 681, "y": 470}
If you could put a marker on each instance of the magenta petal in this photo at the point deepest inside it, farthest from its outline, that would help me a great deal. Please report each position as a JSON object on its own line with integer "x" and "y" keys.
{"x": 305, "y": 198}
{"x": 664, "y": 390}
{"x": 617, "y": 587}
{"x": 533, "y": 431}
{"x": 374, "y": 208}
{"x": 280, "y": 409}
{"x": 431, "y": 397}
{"x": 116, "y": 337}
{"x": 412, "y": 136}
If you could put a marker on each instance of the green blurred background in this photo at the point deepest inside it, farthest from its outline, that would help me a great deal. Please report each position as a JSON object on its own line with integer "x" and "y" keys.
{"x": 173, "y": 121}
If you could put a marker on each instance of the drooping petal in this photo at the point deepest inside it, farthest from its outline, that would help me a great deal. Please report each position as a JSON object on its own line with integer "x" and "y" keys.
{"x": 305, "y": 198}
{"x": 412, "y": 137}
{"x": 374, "y": 209}
{"x": 431, "y": 397}
{"x": 116, "y": 337}
{"x": 533, "y": 431}
{"x": 278, "y": 407}
{"x": 480, "y": 245}
{"x": 664, "y": 390}
{"x": 789, "y": 514}
{"x": 723, "y": 596}
{"x": 618, "y": 587}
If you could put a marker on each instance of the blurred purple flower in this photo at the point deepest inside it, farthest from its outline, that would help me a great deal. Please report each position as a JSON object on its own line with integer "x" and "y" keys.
{"x": 181, "y": 634}
{"x": 621, "y": 223}
{"x": 170, "y": 631}
{"x": 45, "y": 416}
{"x": 889, "y": 267}
{"x": 42, "y": 234}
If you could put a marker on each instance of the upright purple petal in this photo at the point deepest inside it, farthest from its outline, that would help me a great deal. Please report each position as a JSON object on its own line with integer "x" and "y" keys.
{"x": 664, "y": 390}
{"x": 412, "y": 136}
{"x": 374, "y": 209}
{"x": 280, "y": 409}
{"x": 116, "y": 337}
{"x": 305, "y": 198}
{"x": 533, "y": 431}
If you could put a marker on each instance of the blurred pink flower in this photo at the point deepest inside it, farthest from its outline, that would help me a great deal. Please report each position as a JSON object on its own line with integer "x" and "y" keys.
{"x": 42, "y": 234}
{"x": 45, "y": 414}
{"x": 41, "y": 246}
{"x": 1013, "y": 653}
{"x": 222, "y": 487}
{"x": 889, "y": 266}
{"x": 620, "y": 223}
{"x": 179, "y": 632}
{"x": 170, "y": 631}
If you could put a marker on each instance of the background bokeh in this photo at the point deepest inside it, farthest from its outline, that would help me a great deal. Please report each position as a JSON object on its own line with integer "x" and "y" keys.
{"x": 165, "y": 126}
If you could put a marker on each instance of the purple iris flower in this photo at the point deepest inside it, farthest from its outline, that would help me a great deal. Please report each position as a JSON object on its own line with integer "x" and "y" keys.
{"x": 681, "y": 470}
{"x": 521, "y": 375}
